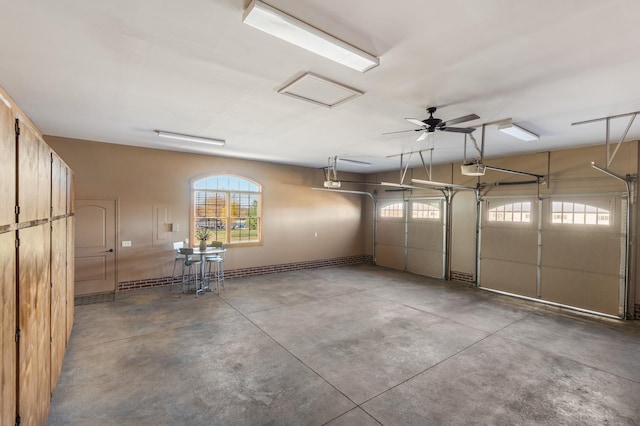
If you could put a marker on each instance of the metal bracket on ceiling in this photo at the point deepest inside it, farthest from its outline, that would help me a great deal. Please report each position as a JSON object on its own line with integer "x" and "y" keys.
{"x": 404, "y": 167}
{"x": 611, "y": 156}
{"x": 331, "y": 171}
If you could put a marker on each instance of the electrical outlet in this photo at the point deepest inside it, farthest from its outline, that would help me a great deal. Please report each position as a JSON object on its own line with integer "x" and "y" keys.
{"x": 126, "y": 244}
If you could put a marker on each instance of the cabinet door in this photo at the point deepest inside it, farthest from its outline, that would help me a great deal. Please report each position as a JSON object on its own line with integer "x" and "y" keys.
{"x": 58, "y": 297}
{"x": 7, "y": 328}
{"x": 8, "y": 169}
{"x": 34, "y": 323}
{"x": 70, "y": 311}
{"x": 34, "y": 176}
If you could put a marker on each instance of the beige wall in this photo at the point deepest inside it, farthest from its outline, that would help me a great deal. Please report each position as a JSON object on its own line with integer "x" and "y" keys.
{"x": 141, "y": 178}
{"x": 293, "y": 213}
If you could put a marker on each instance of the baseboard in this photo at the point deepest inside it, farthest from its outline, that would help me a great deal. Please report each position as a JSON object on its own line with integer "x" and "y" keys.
{"x": 256, "y": 270}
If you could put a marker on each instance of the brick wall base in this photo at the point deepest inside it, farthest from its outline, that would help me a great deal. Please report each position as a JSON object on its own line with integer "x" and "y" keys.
{"x": 257, "y": 270}
{"x": 637, "y": 313}
{"x": 463, "y": 277}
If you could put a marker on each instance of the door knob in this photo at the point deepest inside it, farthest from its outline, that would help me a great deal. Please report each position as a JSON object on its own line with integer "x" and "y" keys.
{"x": 109, "y": 251}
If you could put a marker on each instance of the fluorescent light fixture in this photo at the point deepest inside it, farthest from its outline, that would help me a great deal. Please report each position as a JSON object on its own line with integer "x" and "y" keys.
{"x": 178, "y": 136}
{"x": 354, "y": 162}
{"x": 518, "y": 132}
{"x": 277, "y": 23}
{"x": 440, "y": 184}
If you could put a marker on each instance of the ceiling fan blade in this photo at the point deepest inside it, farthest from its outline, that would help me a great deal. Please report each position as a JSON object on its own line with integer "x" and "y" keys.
{"x": 402, "y": 131}
{"x": 422, "y": 137}
{"x": 459, "y": 120}
{"x": 415, "y": 121}
{"x": 458, "y": 129}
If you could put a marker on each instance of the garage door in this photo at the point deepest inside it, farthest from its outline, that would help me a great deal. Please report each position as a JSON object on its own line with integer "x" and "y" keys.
{"x": 410, "y": 235}
{"x": 568, "y": 250}
{"x": 583, "y": 252}
{"x": 509, "y": 245}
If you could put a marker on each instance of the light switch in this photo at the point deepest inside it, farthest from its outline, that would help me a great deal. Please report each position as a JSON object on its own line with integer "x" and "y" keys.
{"x": 126, "y": 244}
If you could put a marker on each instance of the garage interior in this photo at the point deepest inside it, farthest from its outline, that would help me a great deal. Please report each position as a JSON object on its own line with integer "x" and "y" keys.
{"x": 410, "y": 259}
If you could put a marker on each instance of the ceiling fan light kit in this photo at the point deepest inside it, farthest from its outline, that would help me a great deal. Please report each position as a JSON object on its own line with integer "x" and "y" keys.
{"x": 189, "y": 138}
{"x": 518, "y": 132}
{"x": 279, "y": 24}
{"x": 431, "y": 124}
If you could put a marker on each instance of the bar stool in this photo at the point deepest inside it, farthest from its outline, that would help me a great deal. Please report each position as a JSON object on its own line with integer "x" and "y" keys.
{"x": 188, "y": 271}
{"x": 214, "y": 267}
{"x": 178, "y": 259}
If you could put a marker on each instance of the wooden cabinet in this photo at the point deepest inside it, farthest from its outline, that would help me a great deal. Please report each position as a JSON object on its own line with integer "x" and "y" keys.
{"x": 36, "y": 267}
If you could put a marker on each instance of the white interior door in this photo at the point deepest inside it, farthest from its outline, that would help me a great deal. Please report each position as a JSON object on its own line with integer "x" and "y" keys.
{"x": 95, "y": 257}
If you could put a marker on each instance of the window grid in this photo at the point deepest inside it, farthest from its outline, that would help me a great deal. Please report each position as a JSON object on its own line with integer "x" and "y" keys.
{"x": 231, "y": 212}
{"x": 395, "y": 210}
{"x": 515, "y": 212}
{"x": 579, "y": 214}
{"x": 425, "y": 210}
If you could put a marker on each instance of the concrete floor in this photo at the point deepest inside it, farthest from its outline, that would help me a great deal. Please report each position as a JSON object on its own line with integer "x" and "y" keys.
{"x": 354, "y": 345}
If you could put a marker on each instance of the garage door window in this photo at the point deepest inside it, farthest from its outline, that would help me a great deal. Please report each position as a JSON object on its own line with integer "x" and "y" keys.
{"x": 395, "y": 210}
{"x": 515, "y": 212}
{"x": 425, "y": 210}
{"x": 579, "y": 214}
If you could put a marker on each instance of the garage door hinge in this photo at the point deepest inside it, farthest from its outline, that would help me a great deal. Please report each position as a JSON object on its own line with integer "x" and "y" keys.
{"x": 17, "y": 209}
{"x": 17, "y": 334}
{"x": 17, "y": 419}
{"x": 17, "y": 242}
{"x": 17, "y": 127}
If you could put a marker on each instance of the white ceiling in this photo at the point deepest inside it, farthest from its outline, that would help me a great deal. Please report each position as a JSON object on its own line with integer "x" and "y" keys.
{"x": 117, "y": 70}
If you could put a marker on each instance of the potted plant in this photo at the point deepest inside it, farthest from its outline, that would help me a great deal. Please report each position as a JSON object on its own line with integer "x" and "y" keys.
{"x": 203, "y": 234}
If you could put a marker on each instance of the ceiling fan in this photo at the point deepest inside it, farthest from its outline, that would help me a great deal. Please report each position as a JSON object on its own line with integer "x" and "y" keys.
{"x": 431, "y": 124}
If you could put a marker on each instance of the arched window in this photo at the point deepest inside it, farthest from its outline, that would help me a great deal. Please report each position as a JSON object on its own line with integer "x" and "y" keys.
{"x": 515, "y": 212}
{"x": 392, "y": 210}
{"x": 229, "y": 207}
{"x": 425, "y": 210}
{"x": 579, "y": 214}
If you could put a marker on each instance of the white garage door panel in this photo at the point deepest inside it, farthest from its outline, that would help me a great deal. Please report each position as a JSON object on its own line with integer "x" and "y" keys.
{"x": 426, "y": 236}
{"x": 425, "y": 262}
{"x": 584, "y": 251}
{"x": 510, "y": 243}
{"x": 390, "y": 232}
{"x": 596, "y": 292}
{"x": 425, "y": 248}
{"x": 512, "y": 277}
